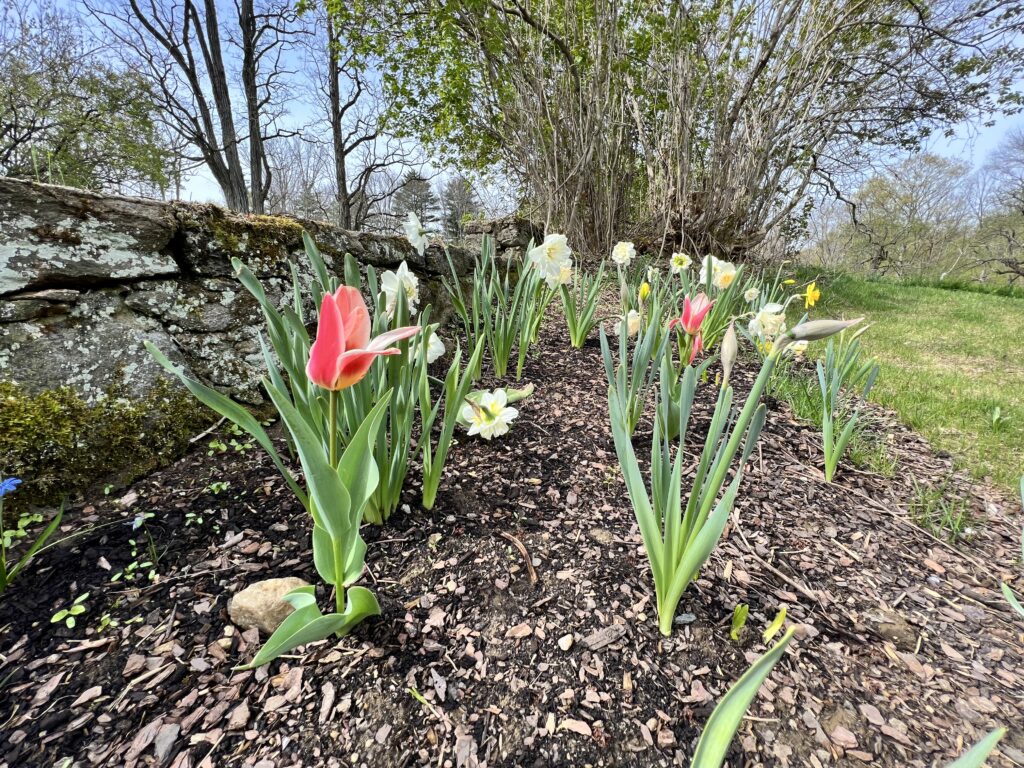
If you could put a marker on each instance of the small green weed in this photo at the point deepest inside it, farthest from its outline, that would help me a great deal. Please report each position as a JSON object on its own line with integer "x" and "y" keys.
{"x": 940, "y": 513}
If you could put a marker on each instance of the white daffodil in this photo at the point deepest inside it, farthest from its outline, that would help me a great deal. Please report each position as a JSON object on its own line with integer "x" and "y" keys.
{"x": 632, "y": 324}
{"x": 402, "y": 279}
{"x": 435, "y": 347}
{"x": 491, "y": 416}
{"x": 652, "y": 274}
{"x": 799, "y": 347}
{"x": 723, "y": 276}
{"x": 769, "y": 322}
{"x": 680, "y": 262}
{"x": 564, "y": 276}
{"x": 415, "y": 233}
{"x": 704, "y": 264}
{"x": 751, "y": 295}
{"x": 551, "y": 256}
{"x": 623, "y": 253}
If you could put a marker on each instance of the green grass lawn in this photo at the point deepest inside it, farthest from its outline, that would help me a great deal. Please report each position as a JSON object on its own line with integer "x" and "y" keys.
{"x": 947, "y": 358}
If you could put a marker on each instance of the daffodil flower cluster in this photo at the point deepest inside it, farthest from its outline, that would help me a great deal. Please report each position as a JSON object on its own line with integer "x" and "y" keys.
{"x": 717, "y": 272}
{"x": 400, "y": 281}
{"x": 553, "y": 259}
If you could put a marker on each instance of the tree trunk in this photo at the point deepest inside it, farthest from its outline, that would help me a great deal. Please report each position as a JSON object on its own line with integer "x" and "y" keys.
{"x": 258, "y": 182}
{"x": 235, "y": 193}
{"x": 344, "y": 216}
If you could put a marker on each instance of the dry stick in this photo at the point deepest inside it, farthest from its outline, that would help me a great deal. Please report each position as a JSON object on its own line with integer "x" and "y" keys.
{"x": 523, "y": 551}
{"x": 208, "y": 431}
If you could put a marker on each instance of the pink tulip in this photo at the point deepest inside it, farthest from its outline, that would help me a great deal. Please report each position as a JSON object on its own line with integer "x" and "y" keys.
{"x": 343, "y": 351}
{"x": 698, "y": 345}
{"x": 693, "y": 314}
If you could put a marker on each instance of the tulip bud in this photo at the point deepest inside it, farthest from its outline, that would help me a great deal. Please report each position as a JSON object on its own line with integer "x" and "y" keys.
{"x": 814, "y": 330}
{"x": 730, "y": 348}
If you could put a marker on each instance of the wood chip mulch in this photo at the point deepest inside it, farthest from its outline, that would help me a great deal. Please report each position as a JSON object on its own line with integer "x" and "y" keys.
{"x": 520, "y": 612}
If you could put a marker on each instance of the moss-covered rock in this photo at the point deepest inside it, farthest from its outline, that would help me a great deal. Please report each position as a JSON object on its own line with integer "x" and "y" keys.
{"x": 59, "y": 444}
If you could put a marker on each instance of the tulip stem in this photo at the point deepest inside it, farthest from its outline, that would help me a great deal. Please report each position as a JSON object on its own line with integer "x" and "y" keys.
{"x": 332, "y": 420}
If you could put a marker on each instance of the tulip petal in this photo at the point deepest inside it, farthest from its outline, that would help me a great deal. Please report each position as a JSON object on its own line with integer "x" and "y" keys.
{"x": 355, "y": 316}
{"x": 324, "y": 356}
{"x": 355, "y": 364}
{"x": 385, "y": 340}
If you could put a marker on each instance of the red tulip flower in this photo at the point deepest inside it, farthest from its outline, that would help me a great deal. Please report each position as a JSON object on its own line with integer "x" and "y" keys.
{"x": 343, "y": 351}
{"x": 693, "y": 314}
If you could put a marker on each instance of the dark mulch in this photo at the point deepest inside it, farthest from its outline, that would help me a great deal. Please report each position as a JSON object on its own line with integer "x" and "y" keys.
{"x": 908, "y": 652}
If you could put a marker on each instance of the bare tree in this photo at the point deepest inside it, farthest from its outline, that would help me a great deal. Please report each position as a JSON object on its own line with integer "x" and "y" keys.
{"x": 179, "y": 47}
{"x": 350, "y": 112}
{"x": 707, "y": 122}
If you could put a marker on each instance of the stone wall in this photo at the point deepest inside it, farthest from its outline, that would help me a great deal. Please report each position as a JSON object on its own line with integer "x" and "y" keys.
{"x": 85, "y": 278}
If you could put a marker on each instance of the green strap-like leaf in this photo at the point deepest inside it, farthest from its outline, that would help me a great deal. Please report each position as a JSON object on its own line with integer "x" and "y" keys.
{"x": 725, "y": 720}
{"x": 1012, "y": 599}
{"x": 976, "y": 757}
{"x": 329, "y": 499}
{"x": 37, "y": 544}
{"x": 306, "y": 624}
{"x": 232, "y": 411}
{"x": 357, "y": 469}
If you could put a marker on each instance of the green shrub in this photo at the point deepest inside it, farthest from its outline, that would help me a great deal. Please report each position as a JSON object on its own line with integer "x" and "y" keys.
{"x": 58, "y": 444}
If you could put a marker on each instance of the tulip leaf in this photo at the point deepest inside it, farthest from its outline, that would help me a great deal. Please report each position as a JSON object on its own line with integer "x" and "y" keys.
{"x": 977, "y": 755}
{"x": 1012, "y": 598}
{"x": 728, "y": 714}
{"x": 229, "y": 409}
{"x": 306, "y": 624}
{"x": 329, "y": 499}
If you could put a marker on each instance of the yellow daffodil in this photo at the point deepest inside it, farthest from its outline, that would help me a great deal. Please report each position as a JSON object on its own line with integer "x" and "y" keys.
{"x": 811, "y": 296}
{"x": 644, "y": 292}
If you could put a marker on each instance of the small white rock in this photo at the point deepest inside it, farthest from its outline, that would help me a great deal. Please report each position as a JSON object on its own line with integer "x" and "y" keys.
{"x": 565, "y": 642}
{"x": 261, "y": 604}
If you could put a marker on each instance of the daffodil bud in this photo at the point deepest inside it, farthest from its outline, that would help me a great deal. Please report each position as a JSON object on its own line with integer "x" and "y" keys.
{"x": 645, "y": 291}
{"x": 730, "y": 348}
{"x": 814, "y": 330}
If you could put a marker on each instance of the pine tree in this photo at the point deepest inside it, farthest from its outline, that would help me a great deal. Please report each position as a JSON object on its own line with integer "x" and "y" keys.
{"x": 458, "y": 202}
{"x": 416, "y": 196}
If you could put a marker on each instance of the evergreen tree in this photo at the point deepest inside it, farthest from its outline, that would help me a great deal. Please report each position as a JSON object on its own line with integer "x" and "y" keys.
{"x": 417, "y": 196}
{"x": 458, "y": 203}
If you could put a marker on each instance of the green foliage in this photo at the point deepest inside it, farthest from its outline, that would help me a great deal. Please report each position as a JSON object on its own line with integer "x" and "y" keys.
{"x": 579, "y": 304}
{"x": 721, "y": 727}
{"x": 59, "y": 444}
{"x": 504, "y": 306}
{"x": 1011, "y": 598}
{"x": 867, "y": 451}
{"x": 941, "y": 513}
{"x": 947, "y": 358}
{"x": 67, "y": 615}
{"x": 631, "y": 374}
{"x": 739, "y": 621}
{"x": 678, "y": 537}
{"x": 71, "y": 116}
{"x": 455, "y": 389}
{"x": 8, "y": 535}
{"x": 841, "y": 368}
